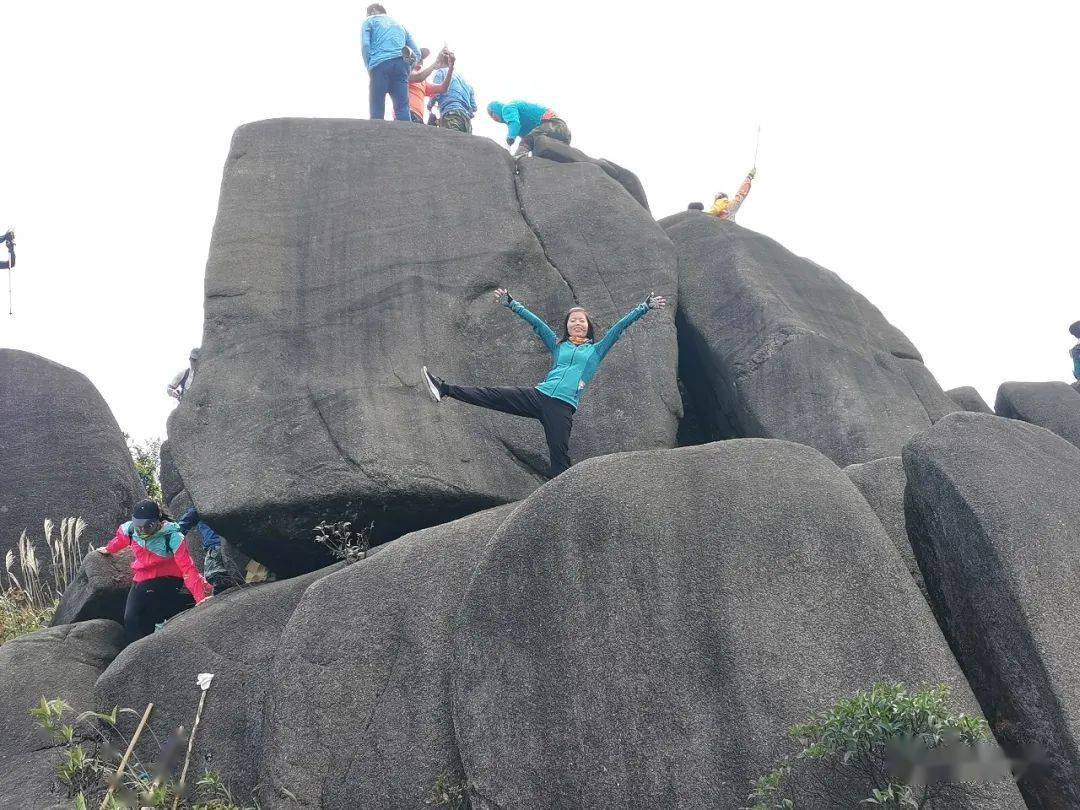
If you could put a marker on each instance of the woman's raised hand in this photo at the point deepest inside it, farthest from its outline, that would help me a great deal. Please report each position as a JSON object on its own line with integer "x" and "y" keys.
{"x": 503, "y": 297}
{"x": 102, "y": 550}
{"x": 655, "y": 301}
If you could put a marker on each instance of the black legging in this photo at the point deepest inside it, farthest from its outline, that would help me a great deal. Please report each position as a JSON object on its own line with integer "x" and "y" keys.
{"x": 151, "y": 602}
{"x": 556, "y": 416}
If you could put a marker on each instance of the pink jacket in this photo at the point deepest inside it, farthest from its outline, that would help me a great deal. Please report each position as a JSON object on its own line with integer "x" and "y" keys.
{"x": 163, "y": 555}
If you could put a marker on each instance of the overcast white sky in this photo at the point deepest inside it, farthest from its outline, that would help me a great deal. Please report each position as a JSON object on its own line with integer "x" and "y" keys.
{"x": 925, "y": 151}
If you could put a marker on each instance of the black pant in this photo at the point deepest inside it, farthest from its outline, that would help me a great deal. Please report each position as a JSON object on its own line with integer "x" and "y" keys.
{"x": 556, "y": 416}
{"x": 151, "y": 602}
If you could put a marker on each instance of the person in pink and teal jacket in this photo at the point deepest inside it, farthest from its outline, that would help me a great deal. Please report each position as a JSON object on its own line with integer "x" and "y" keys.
{"x": 166, "y": 580}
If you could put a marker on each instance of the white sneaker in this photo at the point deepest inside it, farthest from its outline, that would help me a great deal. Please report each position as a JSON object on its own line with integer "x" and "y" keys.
{"x": 432, "y": 384}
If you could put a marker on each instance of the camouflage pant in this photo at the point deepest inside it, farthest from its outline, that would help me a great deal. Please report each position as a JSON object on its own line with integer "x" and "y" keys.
{"x": 456, "y": 121}
{"x": 551, "y": 127}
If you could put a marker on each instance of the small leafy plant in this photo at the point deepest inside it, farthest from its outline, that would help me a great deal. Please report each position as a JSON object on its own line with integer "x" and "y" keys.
{"x": 147, "y": 459}
{"x": 91, "y": 753}
{"x": 343, "y": 542}
{"x": 448, "y": 792}
{"x": 870, "y": 749}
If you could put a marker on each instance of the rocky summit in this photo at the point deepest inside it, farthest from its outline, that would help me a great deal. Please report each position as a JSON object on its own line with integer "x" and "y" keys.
{"x": 773, "y": 505}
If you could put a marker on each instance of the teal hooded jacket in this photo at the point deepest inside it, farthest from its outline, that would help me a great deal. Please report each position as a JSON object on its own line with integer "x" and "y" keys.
{"x": 574, "y": 366}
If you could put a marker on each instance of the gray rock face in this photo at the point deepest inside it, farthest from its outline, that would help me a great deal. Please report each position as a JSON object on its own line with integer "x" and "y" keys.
{"x": 99, "y": 590}
{"x": 361, "y": 705}
{"x": 551, "y": 149}
{"x": 233, "y": 636}
{"x": 60, "y": 662}
{"x": 61, "y": 453}
{"x": 348, "y": 253}
{"x": 882, "y": 483}
{"x": 594, "y": 666}
{"x": 1051, "y": 405}
{"x": 778, "y": 347}
{"x": 994, "y": 513}
{"x": 969, "y": 399}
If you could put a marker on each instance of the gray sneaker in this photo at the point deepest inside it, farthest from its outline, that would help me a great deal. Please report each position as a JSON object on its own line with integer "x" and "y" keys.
{"x": 434, "y": 384}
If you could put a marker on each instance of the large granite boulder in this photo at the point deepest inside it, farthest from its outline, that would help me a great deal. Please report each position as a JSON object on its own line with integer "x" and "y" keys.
{"x": 99, "y": 590}
{"x": 60, "y": 662}
{"x": 969, "y": 399}
{"x": 361, "y": 704}
{"x": 1051, "y": 405}
{"x": 346, "y": 254}
{"x": 551, "y": 149}
{"x": 882, "y": 483}
{"x": 643, "y": 630}
{"x": 233, "y": 636}
{"x": 61, "y": 453}
{"x": 780, "y": 347}
{"x": 994, "y": 515}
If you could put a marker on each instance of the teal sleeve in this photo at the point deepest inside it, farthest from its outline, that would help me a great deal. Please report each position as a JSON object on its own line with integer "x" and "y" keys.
{"x": 365, "y": 46}
{"x": 615, "y": 332}
{"x": 543, "y": 331}
{"x": 512, "y": 120}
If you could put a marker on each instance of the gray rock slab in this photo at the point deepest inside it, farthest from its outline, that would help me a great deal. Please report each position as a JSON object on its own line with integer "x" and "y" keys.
{"x": 969, "y": 399}
{"x": 346, "y": 254}
{"x": 1051, "y": 405}
{"x": 361, "y": 704}
{"x": 61, "y": 453}
{"x": 99, "y": 590}
{"x": 882, "y": 483}
{"x": 59, "y": 662}
{"x": 234, "y": 636}
{"x": 777, "y": 346}
{"x": 551, "y": 149}
{"x": 994, "y": 515}
{"x": 643, "y": 630}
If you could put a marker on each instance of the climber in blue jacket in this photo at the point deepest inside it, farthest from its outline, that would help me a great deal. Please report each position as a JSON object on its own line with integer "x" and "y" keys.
{"x": 389, "y": 51}
{"x": 1074, "y": 352}
{"x": 553, "y": 402}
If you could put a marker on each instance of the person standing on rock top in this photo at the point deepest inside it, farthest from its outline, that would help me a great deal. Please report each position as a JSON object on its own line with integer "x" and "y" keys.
{"x": 725, "y": 208}
{"x": 456, "y": 99}
{"x": 384, "y": 47}
{"x": 420, "y": 88}
{"x": 166, "y": 580}
{"x": 526, "y": 121}
{"x": 553, "y": 402}
{"x": 1074, "y": 352}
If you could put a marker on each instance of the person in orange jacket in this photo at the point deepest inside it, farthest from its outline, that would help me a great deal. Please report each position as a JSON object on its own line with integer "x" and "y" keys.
{"x": 166, "y": 580}
{"x": 725, "y": 208}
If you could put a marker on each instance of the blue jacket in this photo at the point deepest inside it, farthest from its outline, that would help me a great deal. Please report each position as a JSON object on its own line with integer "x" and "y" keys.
{"x": 459, "y": 96}
{"x": 210, "y": 538}
{"x": 574, "y": 366}
{"x": 1075, "y": 352}
{"x": 383, "y": 40}
{"x": 520, "y": 117}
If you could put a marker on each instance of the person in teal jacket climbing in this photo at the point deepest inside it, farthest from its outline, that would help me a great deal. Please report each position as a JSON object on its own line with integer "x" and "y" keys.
{"x": 553, "y": 402}
{"x": 526, "y": 121}
{"x": 1074, "y": 352}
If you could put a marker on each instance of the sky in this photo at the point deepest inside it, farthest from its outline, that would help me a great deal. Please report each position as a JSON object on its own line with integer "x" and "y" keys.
{"x": 927, "y": 152}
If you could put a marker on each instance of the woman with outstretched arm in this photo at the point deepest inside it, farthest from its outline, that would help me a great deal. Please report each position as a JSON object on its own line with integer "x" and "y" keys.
{"x": 575, "y": 360}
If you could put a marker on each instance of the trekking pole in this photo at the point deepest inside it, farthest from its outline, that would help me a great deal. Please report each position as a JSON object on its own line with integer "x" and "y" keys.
{"x": 203, "y": 680}
{"x": 757, "y": 143}
{"x": 127, "y": 756}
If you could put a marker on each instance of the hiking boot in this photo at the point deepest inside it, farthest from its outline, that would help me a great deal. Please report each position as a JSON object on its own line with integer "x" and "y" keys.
{"x": 436, "y": 387}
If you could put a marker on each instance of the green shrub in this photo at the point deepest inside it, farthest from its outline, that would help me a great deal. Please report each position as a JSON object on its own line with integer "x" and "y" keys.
{"x": 91, "y": 747}
{"x": 846, "y": 752}
{"x": 147, "y": 459}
